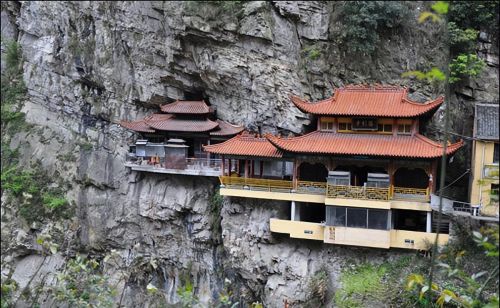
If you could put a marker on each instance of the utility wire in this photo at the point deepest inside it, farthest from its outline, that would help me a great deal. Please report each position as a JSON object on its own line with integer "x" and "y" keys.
{"x": 466, "y": 171}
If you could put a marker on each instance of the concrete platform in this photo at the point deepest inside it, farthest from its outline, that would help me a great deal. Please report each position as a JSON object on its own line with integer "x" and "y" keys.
{"x": 198, "y": 172}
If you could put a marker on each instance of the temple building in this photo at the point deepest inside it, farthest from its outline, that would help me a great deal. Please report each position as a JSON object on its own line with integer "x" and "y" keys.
{"x": 171, "y": 141}
{"x": 484, "y": 165}
{"x": 363, "y": 177}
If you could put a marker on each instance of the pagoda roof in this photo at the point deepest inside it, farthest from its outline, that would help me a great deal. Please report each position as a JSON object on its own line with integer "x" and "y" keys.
{"x": 362, "y": 100}
{"x": 142, "y": 125}
{"x": 245, "y": 144}
{"x": 318, "y": 142}
{"x": 182, "y": 125}
{"x": 226, "y": 129}
{"x": 186, "y": 107}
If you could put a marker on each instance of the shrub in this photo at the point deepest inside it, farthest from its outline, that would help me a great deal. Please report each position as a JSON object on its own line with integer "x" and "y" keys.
{"x": 364, "y": 21}
{"x": 465, "y": 65}
{"x": 318, "y": 286}
{"x": 81, "y": 284}
{"x": 462, "y": 39}
{"x": 478, "y": 15}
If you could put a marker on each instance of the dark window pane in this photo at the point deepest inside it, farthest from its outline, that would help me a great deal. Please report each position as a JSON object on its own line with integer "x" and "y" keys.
{"x": 495, "y": 153}
{"x": 387, "y": 128}
{"x": 356, "y": 218}
{"x": 339, "y": 216}
{"x": 377, "y": 219}
{"x": 335, "y": 216}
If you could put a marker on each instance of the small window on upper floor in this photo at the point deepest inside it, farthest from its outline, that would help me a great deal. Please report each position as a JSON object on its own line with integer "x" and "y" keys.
{"x": 495, "y": 153}
{"x": 343, "y": 126}
{"x": 385, "y": 128}
{"x": 404, "y": 129}
{"x": 326, "y": 125}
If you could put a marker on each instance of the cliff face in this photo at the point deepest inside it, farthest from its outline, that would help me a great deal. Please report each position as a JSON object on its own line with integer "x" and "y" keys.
{"x": 88, "y": 65}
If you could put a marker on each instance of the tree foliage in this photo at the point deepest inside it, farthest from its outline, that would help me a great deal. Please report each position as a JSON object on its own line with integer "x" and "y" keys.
{"x": 460, "y": 287}
{"x": 478, "y": 15}
{"x": 364, "y": 21}
{"x": 81, "y": 285}
{"x": 465, "y": 65}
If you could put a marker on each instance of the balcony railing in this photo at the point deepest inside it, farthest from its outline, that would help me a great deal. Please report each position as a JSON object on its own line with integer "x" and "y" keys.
{"x": 358, "y": 192}
{"x": 330, "y": 191}
{"x": 190, "y": 163}
{"x": 308, "y": 187}
{"x": 404, "y": 193}
{"x": 256, "y": 184}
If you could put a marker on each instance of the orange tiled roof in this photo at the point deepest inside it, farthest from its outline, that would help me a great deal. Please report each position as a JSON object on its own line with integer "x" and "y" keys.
{"x": 245, "y": 145}
{"x": 142, "y": 126}
{"x": 319, "y": 142}
{"x": 227, "y": 129}
{"x": 379, "y": 101}
{"x": 138, "y": 126}
{"x": 186, "y": 107}
{"x": 182, "y": 125}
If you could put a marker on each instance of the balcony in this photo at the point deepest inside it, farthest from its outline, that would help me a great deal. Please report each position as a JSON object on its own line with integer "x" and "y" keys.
{"x": 318, "y": 191}
{"x": 185, "y": 166}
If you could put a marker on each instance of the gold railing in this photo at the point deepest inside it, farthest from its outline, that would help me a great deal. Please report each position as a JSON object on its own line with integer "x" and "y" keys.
{"x": 405, "y": 193}
{"x": 331, "y": 191}
{"x": 308, "y": 187}
{"x": 357, "y": 192}
{"x": 256, "y": 184}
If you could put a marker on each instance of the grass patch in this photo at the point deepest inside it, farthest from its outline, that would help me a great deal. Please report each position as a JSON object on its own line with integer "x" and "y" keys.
{"x": 360, "y": 284}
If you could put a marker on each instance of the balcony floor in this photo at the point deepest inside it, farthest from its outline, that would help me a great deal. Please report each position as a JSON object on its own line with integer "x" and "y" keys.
{"x": 198, "y": 172}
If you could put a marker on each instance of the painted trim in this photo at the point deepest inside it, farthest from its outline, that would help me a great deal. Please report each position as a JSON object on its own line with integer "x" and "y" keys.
{"x": 272, "y": 195}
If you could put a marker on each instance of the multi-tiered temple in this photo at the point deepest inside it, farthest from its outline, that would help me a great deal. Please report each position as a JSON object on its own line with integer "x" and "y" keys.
{"x": 364, "y": 177}
{"x": 171, "y": 141}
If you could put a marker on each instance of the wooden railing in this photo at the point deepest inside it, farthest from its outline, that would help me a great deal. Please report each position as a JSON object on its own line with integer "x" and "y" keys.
{"x": 308, "y": 187}
{"x": 331, "y": 191}
{"x": 404, "y": 193}
{"x": 256, "y": 184}
{"x": 357, "y": 192}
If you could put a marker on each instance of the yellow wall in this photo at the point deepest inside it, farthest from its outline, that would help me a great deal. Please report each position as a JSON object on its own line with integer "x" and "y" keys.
{"x": 272, "y": 195}
{"x": 480, "y": 188}
{"x": 421, "y": 240}
{"x": 358, "y": 237}
{"x": 297, "y": 229}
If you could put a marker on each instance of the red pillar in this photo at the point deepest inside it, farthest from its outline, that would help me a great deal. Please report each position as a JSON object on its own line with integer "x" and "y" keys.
{"x": 246, "y": 168}
{"x": 229, "y": 167}
{"x": 261, "y": 168}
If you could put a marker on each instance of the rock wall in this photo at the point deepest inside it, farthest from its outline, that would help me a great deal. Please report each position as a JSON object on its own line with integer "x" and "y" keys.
{"x": 88, "y": 65}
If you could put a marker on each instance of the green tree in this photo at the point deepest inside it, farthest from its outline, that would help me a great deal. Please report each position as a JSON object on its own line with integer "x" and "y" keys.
{"x": 81, "y": 284}
{"x": 364, "y": 21}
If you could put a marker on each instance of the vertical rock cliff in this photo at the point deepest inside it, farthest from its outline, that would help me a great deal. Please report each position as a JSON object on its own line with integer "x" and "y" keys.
{"x": 88, "y": 65}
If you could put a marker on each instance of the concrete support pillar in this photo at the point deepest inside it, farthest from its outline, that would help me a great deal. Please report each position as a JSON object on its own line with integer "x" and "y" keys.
{"x": 295, "y": 213}
{"x": 428, "y": 227}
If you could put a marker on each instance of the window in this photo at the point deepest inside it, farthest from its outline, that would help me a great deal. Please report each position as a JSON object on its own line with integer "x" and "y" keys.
{"x": 364, "y": 124}
{"x": 377, "y": 219}
{"x": 326, "y": 125}
{"x": 356, "y": 218}
{"x": 386, "y": 128}
{"x": 404, "y": 129}
{"x": 494, "y": 193}
{"x": 495, "y": 153}
{"x": 335, "y": 216}
{"x": 344, "y": 126}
